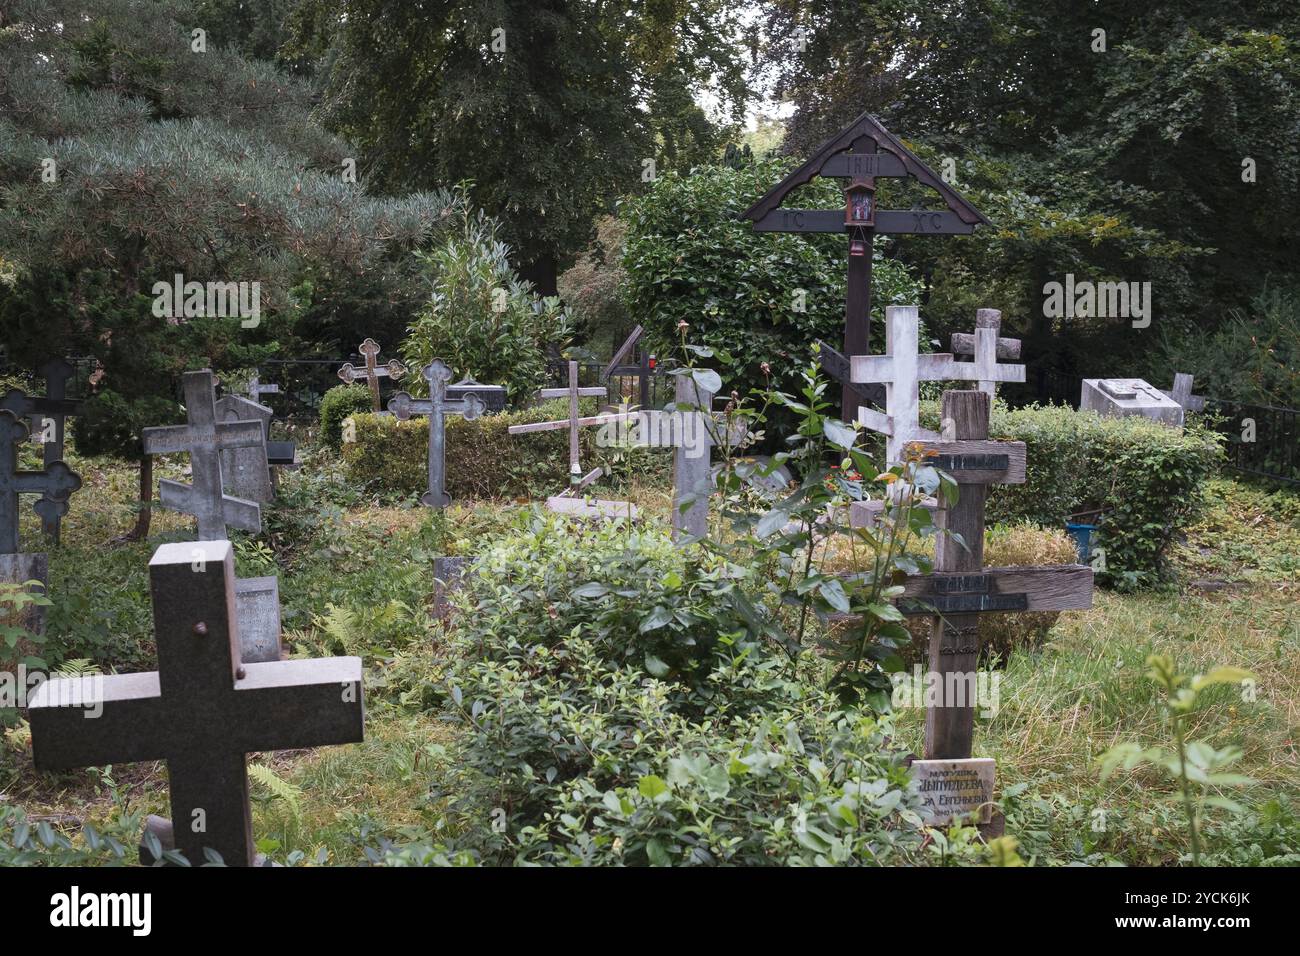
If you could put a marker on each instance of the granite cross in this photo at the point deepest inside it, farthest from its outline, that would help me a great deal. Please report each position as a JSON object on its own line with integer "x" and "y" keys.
{"x": 437, "y": 407}
{"x": 373, "y": 371}
{"x": 54, "y": 483}
{"x": 204, "y": 437}
{"x": 203, "y": 710}
{"x": 48, "y": 414}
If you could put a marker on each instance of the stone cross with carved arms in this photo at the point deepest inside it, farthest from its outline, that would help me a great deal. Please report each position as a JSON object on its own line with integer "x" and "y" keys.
{"x": 373, "y": 371}
{"x": 54, "y": 484}
{"x": 203, "y": 710}
{"x": 437, "y": 407}
{"x": 204, "y": 438}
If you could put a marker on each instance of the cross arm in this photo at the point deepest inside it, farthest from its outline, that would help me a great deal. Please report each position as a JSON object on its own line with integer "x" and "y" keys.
{"x": 286, "y": 705}
{"x": 1055, "y": 587}
{"x": 164, "y": 439}
{"x": 590, "y": 391}
{"x": 66, "y": 733}
{"x": 606, "y": 419}
{"x": 963, "y": 343}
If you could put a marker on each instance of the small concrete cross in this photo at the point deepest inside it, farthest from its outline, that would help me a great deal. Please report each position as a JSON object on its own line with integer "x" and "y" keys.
{"x": 1182, "y": 393}
{"x": 203, "y": 710}
{"x": 437, "y": 407}
{"x": 205, "y": 438}
{"x": 373, "y": 371}
{"x": 987, "y": 347}
{"x": 54, "y": 484}
{"x": 256, "y": 389}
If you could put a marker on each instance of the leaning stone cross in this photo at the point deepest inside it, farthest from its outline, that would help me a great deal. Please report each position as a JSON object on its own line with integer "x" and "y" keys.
{"x": 205, "y": 438}
{"x": 1182, "y": 393}
{"x": 373, "y": 371}
{"x": 54, "y": 484}
{"x": 203, "y": 710}
{"x": 437, "y": 407}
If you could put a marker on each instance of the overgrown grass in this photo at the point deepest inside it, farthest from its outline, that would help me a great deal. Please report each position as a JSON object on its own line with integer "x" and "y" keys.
{"x": 355, "y": 576}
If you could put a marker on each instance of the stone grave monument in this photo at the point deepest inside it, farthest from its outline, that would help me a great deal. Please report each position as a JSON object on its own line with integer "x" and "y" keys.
{"x": 1120, "y": 397}
{"x": 437, "y": 407}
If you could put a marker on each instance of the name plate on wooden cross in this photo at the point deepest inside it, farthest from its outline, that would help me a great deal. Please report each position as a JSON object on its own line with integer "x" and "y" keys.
{"x": 954, "y": 790}
{"x": 979, "y": 462}
{"x": 1055, "y": 587}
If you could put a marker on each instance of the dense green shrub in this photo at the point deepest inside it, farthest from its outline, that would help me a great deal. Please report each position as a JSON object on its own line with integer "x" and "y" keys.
{"x": 483, "y": 459}
{"x": 481, "y": 318}
{"x": 690, "y": 259}
{"x": 1147, "y": 479}
{"x": 340, "y": 402}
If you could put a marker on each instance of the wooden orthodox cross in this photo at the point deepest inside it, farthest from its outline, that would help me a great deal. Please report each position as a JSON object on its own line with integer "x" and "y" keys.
{"x": 373, "y": 371}
{"x": 55, "y": 483}
{"x": 203, "y": 710}
{"x": 568, "y": 501}
{"x": 861, "y": 152}
{"x": 437, "y": 407}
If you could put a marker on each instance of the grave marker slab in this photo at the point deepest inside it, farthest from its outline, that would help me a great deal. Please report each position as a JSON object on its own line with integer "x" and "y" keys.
{"x": 372, "y": 372}
{"x": 203, "y": 710}
{"x": 245, "y": 470}
{"x": 955, "y": 790}
{"x": 19, "y": 569}
{"x": 1121, "y": 397}
{"x": 437, "y": 407}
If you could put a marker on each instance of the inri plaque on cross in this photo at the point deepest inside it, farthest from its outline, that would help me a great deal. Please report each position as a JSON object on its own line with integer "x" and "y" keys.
{"x": 202, "y": 711}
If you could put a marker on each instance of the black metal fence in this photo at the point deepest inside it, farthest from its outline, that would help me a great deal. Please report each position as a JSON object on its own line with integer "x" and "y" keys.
{"x": 1262, "y": 440}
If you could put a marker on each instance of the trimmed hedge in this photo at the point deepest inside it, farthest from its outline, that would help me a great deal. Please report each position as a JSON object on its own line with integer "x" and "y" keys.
{"x": 338, "y": 403}
{"x": 1146, "y": 478}
{"x": 483, "y": 459}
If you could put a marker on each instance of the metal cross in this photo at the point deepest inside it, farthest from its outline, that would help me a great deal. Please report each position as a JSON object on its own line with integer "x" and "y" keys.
{"x": 437, "y": 407}
{"x": 203, "y": 710}
{"x": 205, "y": 438}
{"x": 47, "y": 416}
{"x": 369, "y": 349}
{"x": 54, "y": 484}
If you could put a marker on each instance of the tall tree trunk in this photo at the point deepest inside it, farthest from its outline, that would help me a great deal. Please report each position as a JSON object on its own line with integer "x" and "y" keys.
{"x": 143, "y": 517}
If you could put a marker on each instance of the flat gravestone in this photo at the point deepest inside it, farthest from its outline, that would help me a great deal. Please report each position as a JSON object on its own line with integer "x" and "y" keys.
{"x": 955, "y": 790}
{"x": 202, "y": 711}
{"x": 1121, "y": 397}
{"x": 245, "y": 469}
{"x": 257, "y": 604}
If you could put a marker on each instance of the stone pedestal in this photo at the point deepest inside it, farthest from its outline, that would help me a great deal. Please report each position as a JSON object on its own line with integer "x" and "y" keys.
{"x": 1118, "y": 397}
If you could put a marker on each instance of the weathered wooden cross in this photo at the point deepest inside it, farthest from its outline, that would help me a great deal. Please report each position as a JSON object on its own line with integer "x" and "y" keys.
{"x": 47, "y": 414}
{"x": 203, "y": 710}
{"x": 55, "y": 483}
{"x": 204, "y": 438}
{"x": 373, "y": 371}
{"x": 437, "y": 407}
{"x": 568, "y": 501}
{"x": 861, "y": 152}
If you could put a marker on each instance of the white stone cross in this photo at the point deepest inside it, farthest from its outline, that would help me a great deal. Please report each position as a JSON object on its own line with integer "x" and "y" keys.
{"x": 903, "y": 367}
{"x": 987, "y": 347}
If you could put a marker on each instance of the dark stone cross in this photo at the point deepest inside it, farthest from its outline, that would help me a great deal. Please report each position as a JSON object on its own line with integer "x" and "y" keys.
{"x": 48, "y": 416}
{"x": 54, "y": 484}
{"x": 861, "y": 152}
{"x": 373, "y": 371}
{"x": 204, "y": 438}
{"x": 437, "y": 407}
{"x": 203, "y": 710}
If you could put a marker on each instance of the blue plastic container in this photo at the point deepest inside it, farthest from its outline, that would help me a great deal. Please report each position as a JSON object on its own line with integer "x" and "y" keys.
{"x": 1082, "y": 535}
